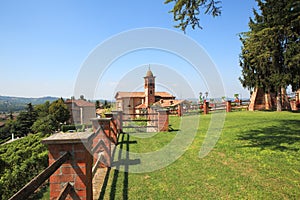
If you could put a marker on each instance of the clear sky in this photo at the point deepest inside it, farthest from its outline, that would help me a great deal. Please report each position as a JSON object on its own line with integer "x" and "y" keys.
{"x": 43, "y": 44}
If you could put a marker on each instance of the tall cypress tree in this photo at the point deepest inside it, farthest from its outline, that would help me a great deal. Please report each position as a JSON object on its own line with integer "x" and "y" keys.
{"x": 268, "y": 60}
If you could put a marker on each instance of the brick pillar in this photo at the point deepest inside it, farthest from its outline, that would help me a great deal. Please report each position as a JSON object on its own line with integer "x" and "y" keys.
{"x": 118, "y": 115}
{"x": 113, "y": 122}
{"x": 78, "y": 170}
{"x": 228, "y": 106}
{"x": 179, "y": 111}
{"x": 205, "y": 108}
{"x": 105, "y": 138}
{"x": 163, "y": 120}
{"x": 294, "y": 105}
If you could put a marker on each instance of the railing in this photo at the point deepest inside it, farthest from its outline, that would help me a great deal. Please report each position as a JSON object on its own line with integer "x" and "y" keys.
{"x": 74, "y": 159}
{"x": 35, "y": 183}
{"x": 154, "y": 121}
{"x": 228, "y": 106}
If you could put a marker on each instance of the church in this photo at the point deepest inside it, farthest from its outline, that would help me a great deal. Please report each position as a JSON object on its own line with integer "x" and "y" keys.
{"x": 139, "y": 102}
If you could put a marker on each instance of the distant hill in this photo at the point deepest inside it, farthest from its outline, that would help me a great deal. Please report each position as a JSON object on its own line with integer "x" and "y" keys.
{"x": 8, "y": 103}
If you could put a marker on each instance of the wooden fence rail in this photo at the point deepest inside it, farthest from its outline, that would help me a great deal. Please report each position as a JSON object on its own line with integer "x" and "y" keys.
{"x": 36, "y": 182}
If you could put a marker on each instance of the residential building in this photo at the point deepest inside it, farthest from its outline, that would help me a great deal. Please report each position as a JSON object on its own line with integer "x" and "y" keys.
{"x": 81, "y": 111}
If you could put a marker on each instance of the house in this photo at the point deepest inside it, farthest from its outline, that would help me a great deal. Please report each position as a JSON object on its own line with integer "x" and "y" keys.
{"x": 81, "y": 111}
{"x": 139, "y": 102}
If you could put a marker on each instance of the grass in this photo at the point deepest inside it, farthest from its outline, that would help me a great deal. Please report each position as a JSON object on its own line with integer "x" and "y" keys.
{"x": 256, "y": 157}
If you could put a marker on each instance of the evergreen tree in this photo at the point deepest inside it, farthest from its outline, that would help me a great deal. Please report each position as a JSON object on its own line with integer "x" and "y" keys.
{"x": 42, "y": 110}
{"x": 97, "y": 104}
{"x": 25, "y": 120}
{"x": 58, "y": 109}
{"x": 187, "y": 12}
{"x": 265, "y": 51}
{"x": 45, "y": 124}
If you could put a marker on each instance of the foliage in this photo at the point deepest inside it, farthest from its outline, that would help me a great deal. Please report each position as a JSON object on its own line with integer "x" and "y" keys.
{"x": 106, "y": 105}
{"x": 97, "y": 104}
{"x": 20, "y": 161}
{"x": 66, "y": 128}
{"x": 25, "y": 120}
{"x": 187, "y": 12}
{"x": 44, "y": 118}
{"x": 45, "y": 125}
{"x": 82, "y": 97}
{"x": 42, "y": 109}
{"x": 59, "y": 111}
{"x": 256, "y": 157}
{"x": 270, "y": 53}
{"x": 9, "y": 128}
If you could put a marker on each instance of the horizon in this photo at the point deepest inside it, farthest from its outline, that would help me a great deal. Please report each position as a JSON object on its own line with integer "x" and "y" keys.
{"x": 45, "y": 45}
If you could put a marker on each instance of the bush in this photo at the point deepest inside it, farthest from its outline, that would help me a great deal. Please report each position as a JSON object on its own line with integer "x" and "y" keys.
{"x": 21, "y": 161}
{"x": 66, "y": 128}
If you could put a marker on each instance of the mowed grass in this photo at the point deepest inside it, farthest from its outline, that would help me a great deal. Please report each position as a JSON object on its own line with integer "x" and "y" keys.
{"x": 256, "y": 157}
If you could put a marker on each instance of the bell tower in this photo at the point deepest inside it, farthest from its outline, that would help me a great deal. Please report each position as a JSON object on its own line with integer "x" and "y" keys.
{"x": 149, "y": 88}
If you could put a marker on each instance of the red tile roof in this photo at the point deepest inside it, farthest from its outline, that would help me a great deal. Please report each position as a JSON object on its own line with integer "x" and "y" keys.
{"x": 141, "y": 106}
{"x": 163, "y": 94}
{"x": 168, "y": 103}
{"x": 129, "y": 94}
{"x": 81, "y": 103}
{"x": 120, "y": 95}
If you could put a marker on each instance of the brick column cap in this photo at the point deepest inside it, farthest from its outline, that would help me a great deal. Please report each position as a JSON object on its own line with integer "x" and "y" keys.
{"x": 162, "y": 110}
{"x": 116, "y": 111}
{"x": 101, "y": 119}
{"x": 68, "y": 138}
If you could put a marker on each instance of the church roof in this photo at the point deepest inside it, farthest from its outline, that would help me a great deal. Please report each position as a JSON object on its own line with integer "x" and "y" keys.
{"x": 149, "y": 73}
{"x": 120, "y": 95}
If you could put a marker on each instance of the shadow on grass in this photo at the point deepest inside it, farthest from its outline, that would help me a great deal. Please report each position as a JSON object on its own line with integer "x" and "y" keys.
{"x": 280, "y": 137}
{"x": 124, "y": 143}
{"x": 171, "y": 129}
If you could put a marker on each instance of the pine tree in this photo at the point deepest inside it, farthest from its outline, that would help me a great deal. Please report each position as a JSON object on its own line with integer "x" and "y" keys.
{"x": 97, "y": 104}
{"x": 266, "y": 48}
{"x": 187, "y": 12}
{"x": 25, "y": 120}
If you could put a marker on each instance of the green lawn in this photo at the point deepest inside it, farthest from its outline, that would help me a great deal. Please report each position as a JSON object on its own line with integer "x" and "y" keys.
{"x": 256, "y": 157}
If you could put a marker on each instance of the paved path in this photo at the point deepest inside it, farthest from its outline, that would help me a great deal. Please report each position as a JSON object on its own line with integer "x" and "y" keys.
{"x": 98, "y": 182}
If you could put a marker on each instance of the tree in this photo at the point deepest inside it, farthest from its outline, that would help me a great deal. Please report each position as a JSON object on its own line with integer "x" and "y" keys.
{"x": 82, "y": 97}
{"x": 265, "y": 51}
{"x": 187, "y": 12}
{"x": 59, "y": 111}
{"x": 42, "y": 110}
{"x": 45, "y": 125}
{"x": 11, "y": 117}
{"x": 106, "y": 104}
{"x": 25, "y": 120}
{"x": 97, "y": 104}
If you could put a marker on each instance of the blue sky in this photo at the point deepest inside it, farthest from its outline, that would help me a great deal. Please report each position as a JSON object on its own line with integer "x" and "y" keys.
{"x": 43, "y": 44}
